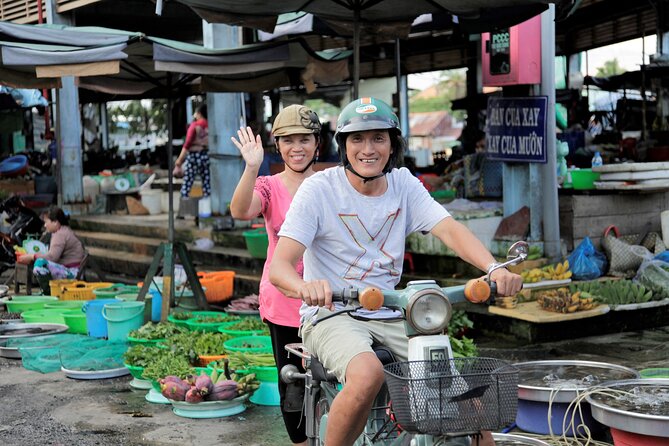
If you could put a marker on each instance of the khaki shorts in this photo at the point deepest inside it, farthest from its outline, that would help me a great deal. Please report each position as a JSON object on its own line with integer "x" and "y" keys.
{"x": 337, "y": 340}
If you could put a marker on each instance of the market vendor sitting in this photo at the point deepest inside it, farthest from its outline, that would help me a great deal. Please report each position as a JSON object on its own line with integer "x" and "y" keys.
{"x": 472, "y": 142}
{"x": 65, "y": 254}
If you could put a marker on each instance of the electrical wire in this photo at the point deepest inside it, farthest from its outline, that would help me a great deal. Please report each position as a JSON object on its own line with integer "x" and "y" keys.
{"x": 570, "y": 422}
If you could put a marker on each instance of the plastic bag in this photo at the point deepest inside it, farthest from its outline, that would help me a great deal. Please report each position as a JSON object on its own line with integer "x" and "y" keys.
{"x": 663, "y": 256}
{"x": 585, "y": 262}
{"x": 654, "y": 274}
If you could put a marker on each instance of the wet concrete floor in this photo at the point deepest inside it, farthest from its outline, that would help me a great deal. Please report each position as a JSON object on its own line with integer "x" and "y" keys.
{"x": 51, "y": 409}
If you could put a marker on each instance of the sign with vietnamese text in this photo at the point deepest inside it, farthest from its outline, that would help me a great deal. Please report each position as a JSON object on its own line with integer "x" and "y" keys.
{"x": 516, "y": 129}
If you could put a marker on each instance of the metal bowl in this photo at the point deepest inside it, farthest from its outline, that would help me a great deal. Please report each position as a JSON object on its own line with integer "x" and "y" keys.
{"x": 626, "y": 420}
{"x": 516, "y": 440}
{"x": 530, "y": 372}
{"x": 22, "y": 330}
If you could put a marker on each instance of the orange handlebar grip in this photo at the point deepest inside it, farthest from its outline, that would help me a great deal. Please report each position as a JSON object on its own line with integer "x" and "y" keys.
{"x": 371, "y": 298}
{"x": 477, "y": 291}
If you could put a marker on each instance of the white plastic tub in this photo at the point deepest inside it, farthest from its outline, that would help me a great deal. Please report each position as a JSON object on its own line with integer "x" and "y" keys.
{"x": 151, "y": 200}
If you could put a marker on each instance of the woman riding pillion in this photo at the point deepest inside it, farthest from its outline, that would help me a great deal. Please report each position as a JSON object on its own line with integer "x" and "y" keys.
{"x": 350, "y": 224}
{"x": 296, "y": 130}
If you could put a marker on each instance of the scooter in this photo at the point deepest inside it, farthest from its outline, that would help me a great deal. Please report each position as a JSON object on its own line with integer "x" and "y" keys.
{"x": 24, "y": 223}
{"x": 433, "y": 398}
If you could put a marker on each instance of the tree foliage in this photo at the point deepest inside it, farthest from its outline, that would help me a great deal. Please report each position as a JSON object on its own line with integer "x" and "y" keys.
{"x": 452, "y": 85}
{"x": 143, "y": 118}
{"x": 610, "y": 68}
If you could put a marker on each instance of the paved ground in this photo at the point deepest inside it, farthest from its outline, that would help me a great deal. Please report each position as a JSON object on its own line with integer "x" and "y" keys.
{"x": 54, "y": 410}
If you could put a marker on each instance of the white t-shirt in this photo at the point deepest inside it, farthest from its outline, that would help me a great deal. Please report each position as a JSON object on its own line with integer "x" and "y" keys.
{"x": 353, "y": 240}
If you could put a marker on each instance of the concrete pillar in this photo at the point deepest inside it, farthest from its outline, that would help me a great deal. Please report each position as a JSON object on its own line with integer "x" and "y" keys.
{"x": 404, "y": 107}
{"x": 104, "y": 126}
{"x": 225, "y": 117}
{"x": 551, "y": 215}
{"x": 68, "y": 127}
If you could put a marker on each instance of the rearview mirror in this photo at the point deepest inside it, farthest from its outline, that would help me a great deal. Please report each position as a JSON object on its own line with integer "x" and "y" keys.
{"x": 520, "y": 249}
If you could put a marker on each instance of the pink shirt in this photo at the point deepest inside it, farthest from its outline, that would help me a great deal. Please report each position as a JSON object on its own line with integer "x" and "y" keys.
{"x": 275, "y": 201}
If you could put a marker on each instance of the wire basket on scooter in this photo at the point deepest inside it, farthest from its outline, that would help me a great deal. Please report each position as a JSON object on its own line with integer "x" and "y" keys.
{"x": 460, "y": 395}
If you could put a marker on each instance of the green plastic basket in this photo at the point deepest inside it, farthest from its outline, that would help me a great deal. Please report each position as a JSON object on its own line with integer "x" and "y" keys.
{"x": 114, "y": 290}
{"x": 76, "y": 320}
{"x": 19, "y": 304}
{"x": 65, "y": 305}
{"x": 145, "y": 342}
{"x": 257, "y": 242}
{"x": 182, "y": 322}
{"x": 265, "y": 374}
{"x": 211, "y": 327}
{"x": 240, "y": 333}
{"x": 584, "y": 179}
{"x": 137, "y": 372}
{"x": 249, "y": 344}
{"x": 44, "y": 316}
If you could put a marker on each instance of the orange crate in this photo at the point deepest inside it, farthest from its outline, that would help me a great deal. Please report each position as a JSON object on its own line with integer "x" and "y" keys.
{"x": 56, "y": 286}
{"x": 77, "y": 291}
{"x": 219, "y": 286}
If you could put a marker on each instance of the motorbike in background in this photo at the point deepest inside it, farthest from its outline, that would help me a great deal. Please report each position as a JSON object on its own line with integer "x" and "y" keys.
{"x": 432, "y": 399}
{"x": 24, "y": 223}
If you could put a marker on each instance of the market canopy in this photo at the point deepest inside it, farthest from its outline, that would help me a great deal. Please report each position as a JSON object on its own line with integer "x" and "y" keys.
{"x": 125, "y": 64}
{"x": 363, "y": 16}
{"x": 263, "y": 14}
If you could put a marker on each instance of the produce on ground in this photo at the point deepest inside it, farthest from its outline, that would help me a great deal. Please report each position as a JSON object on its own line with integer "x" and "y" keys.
{"x": 152, "y": 331}
{"x": 249, "y": 324}
{"x": 142, "y": 356}
{"x": 561, "y": 300}
{"x": 217, "y": 387}
{"x": 216, "y": 319}
{"x": 615, "y": 292}
{"x": 243, "y": 360}
{"x": 166, "y": 364}
{"x": 247, "y": 303}
{"x": 193, "y": 344}
{"x": 559, "y": 271}
{"x": 8, "y": 315}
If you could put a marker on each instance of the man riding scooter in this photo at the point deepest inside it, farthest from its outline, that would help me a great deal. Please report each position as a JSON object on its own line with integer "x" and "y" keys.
{"x": 350, "y": 224}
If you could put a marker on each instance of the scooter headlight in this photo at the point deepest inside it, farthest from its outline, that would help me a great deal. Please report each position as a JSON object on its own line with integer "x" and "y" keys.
{"x": 429, "y": 311}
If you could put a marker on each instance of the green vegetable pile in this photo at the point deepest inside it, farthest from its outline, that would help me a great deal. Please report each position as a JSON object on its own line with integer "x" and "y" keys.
{"x": 168, "y": 363}
{"x": 142, "y": 356}
{"x": 216, "y": 319}
{"x": 152, "y": 331}
{"x": 195, "y": 343}
{"x": 249, "y": 324}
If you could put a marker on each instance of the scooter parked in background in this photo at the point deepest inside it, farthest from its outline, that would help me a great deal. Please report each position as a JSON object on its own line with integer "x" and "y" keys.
{"x": 24, "y": 223}
{"x": 433, "y": 398}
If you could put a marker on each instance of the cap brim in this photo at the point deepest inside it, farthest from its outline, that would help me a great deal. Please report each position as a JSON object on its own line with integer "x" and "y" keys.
{"x": 293, "y": 130}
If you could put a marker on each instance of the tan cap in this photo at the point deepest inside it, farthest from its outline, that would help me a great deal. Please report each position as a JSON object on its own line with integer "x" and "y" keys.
{"x": 296, "y": 119}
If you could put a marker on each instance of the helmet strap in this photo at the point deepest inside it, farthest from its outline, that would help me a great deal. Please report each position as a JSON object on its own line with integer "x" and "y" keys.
{"x": 364, "y": 179}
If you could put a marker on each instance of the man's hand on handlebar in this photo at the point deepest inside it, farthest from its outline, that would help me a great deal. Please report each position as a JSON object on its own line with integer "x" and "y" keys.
{"x": 508, "y": 283}
{"x": 317, "y": 293}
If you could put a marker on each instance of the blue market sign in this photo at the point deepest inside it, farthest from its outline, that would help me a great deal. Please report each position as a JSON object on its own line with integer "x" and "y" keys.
{"x": 516, "y": 129}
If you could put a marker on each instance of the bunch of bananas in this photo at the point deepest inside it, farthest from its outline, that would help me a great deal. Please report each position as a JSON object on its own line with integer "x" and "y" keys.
{"x": 559, "y": 271}
{"x": 563, "y": 301}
